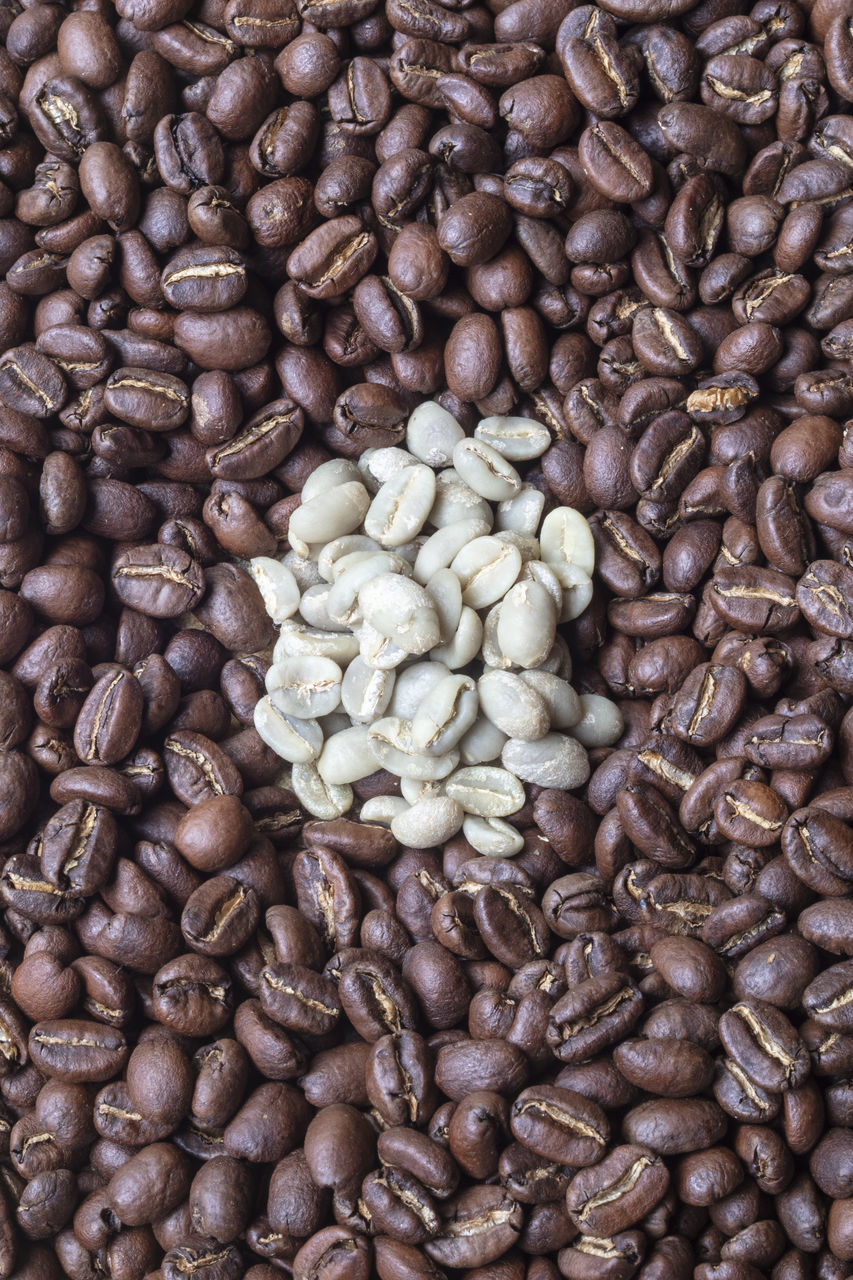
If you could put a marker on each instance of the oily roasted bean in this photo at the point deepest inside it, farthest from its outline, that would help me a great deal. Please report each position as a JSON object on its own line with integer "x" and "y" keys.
{"x": 376, "y": 998}
{"x": 621, "y": 1189}
{"x": 708, "y": 704}
{"x": 265, "y": 441}
{"x": 327, "y": 895}
{"x": 750, "y": 812}
{"x": 593, "y": 1017}
{"x": 30, "y": 382}
{"x": 777, "y": 970}
{"x": 197, "y": 768}
{"x": 823, "y": 595}
{"x": 399, "y": 1078}
{"x": 192, "y": 995}
{"x": 159, "y": 580}
{"x": 512, "y": 927}
{"x": 764, "y": 599}
{"x": 220, "y": 916}
{"x": 559, "y": 1124}
{"x": 479, "y": 1225}
{"x": 764, "y": 1044}
{"x": 333, "y": 258}
{"x": 299, "y": 999}
{"x": 817, "y": 847}
{"x": 205, "y": 279}
{"x": 672, "y": 1068}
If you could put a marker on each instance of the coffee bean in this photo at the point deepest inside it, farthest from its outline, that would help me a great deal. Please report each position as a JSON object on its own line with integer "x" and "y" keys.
{"x": 150, "y": 1184}
{"x": 628, "y": 229}
{"x": 594, "y": 1016}
{"x": 622, "y": 1188}
{"x": 76, "y": 1050}
{"x": 109, "y": 720}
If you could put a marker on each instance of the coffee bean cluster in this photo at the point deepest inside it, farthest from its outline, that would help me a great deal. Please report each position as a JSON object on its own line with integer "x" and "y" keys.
{"x": 243, "y": 238}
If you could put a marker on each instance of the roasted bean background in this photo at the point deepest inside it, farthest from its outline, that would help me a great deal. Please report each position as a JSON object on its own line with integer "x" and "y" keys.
{"x": 240, "y": 238}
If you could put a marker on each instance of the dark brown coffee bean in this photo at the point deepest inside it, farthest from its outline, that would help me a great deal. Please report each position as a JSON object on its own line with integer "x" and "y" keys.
{"x": 110, "y": 719}
{"x": 333, "y": 258}
{"x": 299, "y": 999}
{"x": 30, "y": 383}
{"x": 457, "y": 1246}
{"x": 205, "y": 279}
{"x": 192, "y": 995}
{"x": 764, "y": 1044}
{"x": 701, "y": 132}
{"x": 761, "y": 598}
{"x": 816, "y": 845}
{"x": 474, "y": 228}
{"x": 78, "y": 846}
{"x": 750, "y": 812}
{"x": 671, "y": 1068}
{"x": 602, "y": 78}
{"x": 593, "y": 1017}
{"x": 229, "y": 340}
{"x": 616, "y": 163}
{"x": 77, "y": 1051}
{"x": 220, "y": 916}
{"x": 621, "y": 1190}
{"x": 150, "y": 1184}
{"x": 823, "y": 595}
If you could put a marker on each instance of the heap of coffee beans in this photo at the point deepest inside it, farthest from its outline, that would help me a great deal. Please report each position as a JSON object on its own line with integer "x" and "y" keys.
{"x": 409, "y": 587}
{"x": 255, "y": 247}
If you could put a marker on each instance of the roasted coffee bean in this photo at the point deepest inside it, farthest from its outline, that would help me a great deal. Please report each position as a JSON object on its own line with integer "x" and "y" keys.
{"x": 376, "y": 998}
{"x": 192, "y": 995}
{"x": 31, "y": 383}
{"x": 220, "y": 916}
{"x": 78, "y": 847}
{"x": 593, "y": 1017}
{"x": 823, "y": 596}
{"x": 621, "y": 1190}
{"x": 764, "y": 1044}
{"x": 198, "y": 769}
{"x": 110, "y": 719}
{"x": 76, "y": 1050}
{"x": 299, "y": 999}
{"x": 479, "y": 1225}
{"x": 159, "y": 580}
{"x": 205, "y": 279}
{"x": 671, "y": 1068}
{"x": 333, "y": 258}
{"x": 149, "y": 1185}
